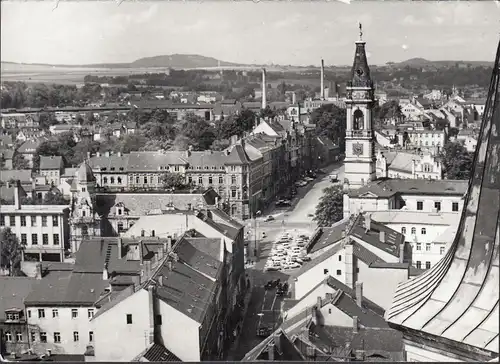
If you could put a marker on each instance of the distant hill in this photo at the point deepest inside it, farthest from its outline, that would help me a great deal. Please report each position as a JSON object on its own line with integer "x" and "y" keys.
{"x": 422, "y": 62}
{"x": 166, "y": 61}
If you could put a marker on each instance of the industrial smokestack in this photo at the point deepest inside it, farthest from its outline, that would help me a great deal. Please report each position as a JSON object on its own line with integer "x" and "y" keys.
{"x": 264, "y": 103}
{"x": 294, "y": 98}
{"x": 322, "y": 79}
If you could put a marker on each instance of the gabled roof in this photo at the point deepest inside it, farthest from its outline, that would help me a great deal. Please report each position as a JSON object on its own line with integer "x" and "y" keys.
{"x": 158, "y": 353}
{"x": 152, "y": 161}
{"x": 51, "y": 162}
{"x": 118, "y": 162}
{"x": 197, "y": 259}
{"x": 14, "y": 291}
{"x": 24, "y": 175}
{"x": 29, "y": 146}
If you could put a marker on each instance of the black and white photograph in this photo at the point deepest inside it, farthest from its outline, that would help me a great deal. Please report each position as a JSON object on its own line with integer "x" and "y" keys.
{"x": 217, "y": 180}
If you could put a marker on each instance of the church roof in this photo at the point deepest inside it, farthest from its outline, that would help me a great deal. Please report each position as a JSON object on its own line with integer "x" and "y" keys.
{"x": 84, "y": 173}
{"x": 360, "y": 72}
{"x": 456, "y": 302}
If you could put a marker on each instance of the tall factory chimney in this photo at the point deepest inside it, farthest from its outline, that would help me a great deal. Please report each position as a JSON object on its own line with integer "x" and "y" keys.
{"x": 322, "y": 80}
{"x": 264, "y": 95}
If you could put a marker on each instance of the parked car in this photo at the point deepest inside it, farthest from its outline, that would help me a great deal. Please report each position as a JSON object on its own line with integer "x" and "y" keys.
{"x": 270, "y": 285}
{"x": 306, "y": 258}
{"x": 264, "y": 331}
{"x": 269, "y": 218}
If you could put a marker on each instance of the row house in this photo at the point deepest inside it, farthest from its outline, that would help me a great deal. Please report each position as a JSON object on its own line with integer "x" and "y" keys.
{"x": 42, "y": 229}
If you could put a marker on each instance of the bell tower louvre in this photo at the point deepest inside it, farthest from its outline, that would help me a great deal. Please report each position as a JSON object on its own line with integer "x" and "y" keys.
{"x": 451, "y": 311}
{"x": 360, "y": 156}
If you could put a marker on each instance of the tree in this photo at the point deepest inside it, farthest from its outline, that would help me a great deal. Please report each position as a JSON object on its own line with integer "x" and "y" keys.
{"x": 10, "y": 252}
{"x": 457, "y": 161}
{"x": 54, "y": 198}
{"x": 330, "y": 207}
{"x": 18, "y": 162}
{"x": 330, "y": 121}
{"x": 220, "y": 144}
{"x": 173, "y": 180}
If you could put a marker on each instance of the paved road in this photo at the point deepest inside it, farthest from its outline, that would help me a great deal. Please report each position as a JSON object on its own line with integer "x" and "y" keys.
{"x": 264, "y": 306}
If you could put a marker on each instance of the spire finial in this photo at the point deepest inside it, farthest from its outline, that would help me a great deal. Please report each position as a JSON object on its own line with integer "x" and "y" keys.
{"x": 360, "y": 32}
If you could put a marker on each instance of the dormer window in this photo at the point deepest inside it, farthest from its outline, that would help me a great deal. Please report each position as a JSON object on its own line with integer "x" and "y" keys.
{"x": 112, "y": 168}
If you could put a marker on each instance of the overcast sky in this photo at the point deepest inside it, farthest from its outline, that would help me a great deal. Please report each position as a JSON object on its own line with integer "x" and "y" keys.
{"x": 286, "y": 32}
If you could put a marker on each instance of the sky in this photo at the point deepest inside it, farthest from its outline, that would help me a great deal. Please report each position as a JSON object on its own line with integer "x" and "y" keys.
{"x": 265, "y": 32}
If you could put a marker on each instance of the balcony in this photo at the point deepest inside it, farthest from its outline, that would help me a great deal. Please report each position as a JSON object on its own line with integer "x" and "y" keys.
{"x": 359, "y": 134}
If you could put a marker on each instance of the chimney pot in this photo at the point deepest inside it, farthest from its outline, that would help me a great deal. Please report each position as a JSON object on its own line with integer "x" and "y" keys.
{"x": 141, "y": 250}
{"x": 160, "y": 280}
{"x": 105, "y": 275}
{"x": 382, "y": 236}
{"x": 402, "y": 252}
{"x": 355, "y": 323}
{"x": 169, "y": 244}
{"x": 169, "y": 265}
{"x": 120, "y": 248}
{"x": 39, "y": 272}
{"x": 319, "y": 302}
{"x": 270, "y": 352}
{"x": 17, "y": 195}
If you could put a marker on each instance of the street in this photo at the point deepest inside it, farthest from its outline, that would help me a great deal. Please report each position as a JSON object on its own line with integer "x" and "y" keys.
{"x": 264, "y": 306}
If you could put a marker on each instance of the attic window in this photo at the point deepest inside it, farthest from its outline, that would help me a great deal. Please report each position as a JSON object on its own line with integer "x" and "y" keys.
{"x": 112, "y": 168}
{"x": 413, "y": 189}
{"x": 103, "y": 168}
{"x": 121, "y": 168}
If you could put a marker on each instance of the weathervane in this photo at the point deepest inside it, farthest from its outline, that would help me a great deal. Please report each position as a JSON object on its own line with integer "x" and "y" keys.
{"x": 360, "y": 32}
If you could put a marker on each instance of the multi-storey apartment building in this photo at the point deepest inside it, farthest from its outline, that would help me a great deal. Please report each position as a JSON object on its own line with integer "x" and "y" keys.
{"x": 51, "y": 168}
{"x": 43, "y": 229}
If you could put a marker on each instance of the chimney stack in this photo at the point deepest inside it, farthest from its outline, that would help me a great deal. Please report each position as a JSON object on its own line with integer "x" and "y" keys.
{"x": 141, "y": 249}
{"x": 319, "y": 302}
{"x": 217, "y": 202}
{"x": 382, "y": 236}
{"x": 97, "y": 154}
{"x": 160, "y": 253}
{"x": 294, "y": 98}
{"x": 106, "y": 154}
{"x": 160, "y": 280}
{"x": 355, "y": 324}
{"x": 105, "y": 275}
{"x": 402, "y": 252}
{"x": 277, "y": 342}
{"x": 151, "y": 314}
{"x": 120, "y": 248}
{"x": 38, "y": 272}
{"x": 264, "y": 86}
{"x": 270, "y": 352}
{"x": 88, "y": 155}
{"x": 17, "y": 195}
{"x": 169, "y": 265}
{"x": 349, "y": 264}
{"x": 322, "y": 79}
{"x": 368, "y": 222}
{"x": 169, "y": 244}
{"x": 359, "y": 294}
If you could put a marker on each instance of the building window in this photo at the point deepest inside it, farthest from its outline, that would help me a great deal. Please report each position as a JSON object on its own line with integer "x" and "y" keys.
{"x": 442, "y": 250}
{"x": 23, "y": 220}
{"x": 112, "y": 180}
{"x": 454, "y": 206}
{"x": 90, "y": 313}
{"x": 12, "y": 221}
{"x": 43, "y": 337}
{"x": 427, "y": 265}
{"x": 420, "y": 205}
{"x": 8, "y": 336}
{"x": 428, "y": 247}
{"x": 158, "y": 320}
{"x": 85, "y": 230}
{"x": 340, "y": 258}
{"x": 437, "y": 205}
{"x": 120, "y": 227}
{"x": 403, "y": 230}
{"x": 200, "y": 180}
{"x": 419, "y": 246}
{"x": 233, "y": 193}
{"x": 325, "y": 271}
{"x": 76, "y": 337}
{"x": 34, "y": 239}
{"x": 413, "y": 231}
{"x": 29, "y": 313}
{"x": 129, "y": 319}
{"x": 119, "y": 180}
{"x": 2, "y": 220}
{"x": 41, "y": 313}
{"x": 221, "y": 180}
{"x": 419, "y": 264}
{"x": 190, "y": 180}
{"x": 56, "y": 239}
{"x": 33, "y": 337}
{"x": 19, "y": 336}
{"x": 210, "y": 180}
{"x": 339, "y": 272}
{"x": 57, "y": 337}
{"x": 145, "y": 180}
{"x": 423, "y": 231}
{"x": 55, "y": 313}
{"x": 44, "y": 220}
{"x": 45, "y": 239}
{"x": 74, "y": 313}
{"x": 137, "y": 180}
{"x": 91, "y": 336}
{"x": 24, "y": 239}
{"x": 33, "y": 220}
{"x": 233, "y": 179}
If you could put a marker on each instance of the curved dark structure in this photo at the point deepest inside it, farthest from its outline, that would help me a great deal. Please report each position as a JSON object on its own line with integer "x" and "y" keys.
{"x": 454, "y": 305}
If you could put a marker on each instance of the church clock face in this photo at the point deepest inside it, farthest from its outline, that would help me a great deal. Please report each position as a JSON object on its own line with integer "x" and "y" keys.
{"x": 357, "y": 149}
{"x": 359, "y": 72}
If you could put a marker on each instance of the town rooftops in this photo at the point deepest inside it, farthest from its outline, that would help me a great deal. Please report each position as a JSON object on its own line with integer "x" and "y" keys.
{"x": 328, "y": 236}
{"x": 112, "y": 163}
{"x": 206, "y": 263}
{"x": 51, "y": 162}
{"x": 14, "y": 291}
{"x": 148, "y": 161}
{"x": 385, "y": 188}
{"x": 29, "y": 146}
{"x": 24, "y": 175}
{"x": 417, "y": 217}
{"x": 37, "y": 209}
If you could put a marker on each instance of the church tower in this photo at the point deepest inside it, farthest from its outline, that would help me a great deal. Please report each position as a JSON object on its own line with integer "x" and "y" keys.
{"x": 360, "y": 156}
{"x": 83, "y": 219}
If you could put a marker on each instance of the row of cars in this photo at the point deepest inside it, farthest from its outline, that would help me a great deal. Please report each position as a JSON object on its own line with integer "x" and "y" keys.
{"x": 288, "y": 252}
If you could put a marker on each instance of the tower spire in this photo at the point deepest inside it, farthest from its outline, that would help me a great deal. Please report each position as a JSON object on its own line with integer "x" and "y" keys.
{"x": 360, "y": 32}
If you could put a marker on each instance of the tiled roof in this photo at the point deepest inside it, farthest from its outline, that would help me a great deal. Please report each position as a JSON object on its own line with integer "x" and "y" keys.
{"x": 366, "y": 317}
{"x": 329, "y": 236}
{"x": 393, "y": 239}
{"x": 207, "y": 158}
{"x": 238, "y": 155}
{"x": 309, "y": 265}
{"x": 209, "y": 246}
{"x": 29, "y": 146}
{"x": 7, "y": 153}
{"x": 202, "y": 262}
{"x": 186, "y": 290}
{"x": 51, "y": 162}
{"x": 140, "y": 204}
{"x": 385, "y": 188}
{"x": 14, "y": 291}
{"x": 119, "y": 162}
{"x": 67, "y": 288}
{"x": 69, "y": 172}
{"x": 7, "y": 193}
{"x": 364, "y": 254}
{"x": 225, "y": 229}
{"x": 24, "y": 175}
{"x": 152, "y": 161}
{"x": 158, "y": 353}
